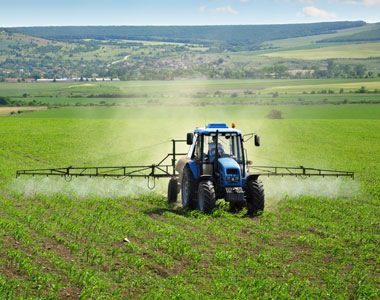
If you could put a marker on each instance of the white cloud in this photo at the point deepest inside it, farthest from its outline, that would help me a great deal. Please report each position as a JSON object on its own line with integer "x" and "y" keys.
{"x": 202, "y": 8}
{"x": 369, "y": 2}
{"x": 312, "y": 11}
{"x": 306, "y": 1}
{"x": 299, "y": 1}
{"x": 359, "y": 2}
{"x": 224, "y": 9}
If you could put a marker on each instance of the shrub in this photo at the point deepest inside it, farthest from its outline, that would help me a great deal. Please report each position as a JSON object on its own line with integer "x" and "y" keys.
{"x": 362, "y": 90}
{"x": 274, "y": 114}
{"x": 218, "y": 93}
{"x": 4, "y": 100}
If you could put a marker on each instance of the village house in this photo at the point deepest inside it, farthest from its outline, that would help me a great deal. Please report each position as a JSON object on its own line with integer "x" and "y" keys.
{"x": 12, "y": 80}
{"x": 302, "y": 72}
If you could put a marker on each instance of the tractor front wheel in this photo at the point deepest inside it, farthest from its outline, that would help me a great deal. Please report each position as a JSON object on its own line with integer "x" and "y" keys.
{"x": 188, "y": 188}
{"x": 206, "y": 196}
{"x": 173, "y": 190}
{"x": 255, "y": 197}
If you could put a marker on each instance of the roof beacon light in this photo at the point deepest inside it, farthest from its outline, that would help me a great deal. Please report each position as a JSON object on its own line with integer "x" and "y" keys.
{"x": 233, "y": 125}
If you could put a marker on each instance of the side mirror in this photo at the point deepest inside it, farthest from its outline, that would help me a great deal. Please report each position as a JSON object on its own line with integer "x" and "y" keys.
{"x": 257, "y": 140}
{"x": 190, "y": 138}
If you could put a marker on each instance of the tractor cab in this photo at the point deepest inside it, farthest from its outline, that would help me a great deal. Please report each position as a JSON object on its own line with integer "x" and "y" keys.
{"x": 215, "y": 151}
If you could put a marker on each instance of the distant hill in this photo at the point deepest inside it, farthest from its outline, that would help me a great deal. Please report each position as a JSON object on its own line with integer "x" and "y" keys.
{"x": 365, "y": 36}
{"x": 225, "y": 35}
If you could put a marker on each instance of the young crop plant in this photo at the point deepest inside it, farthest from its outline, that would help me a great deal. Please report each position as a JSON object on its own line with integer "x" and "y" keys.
{"x": 316, "y": 239}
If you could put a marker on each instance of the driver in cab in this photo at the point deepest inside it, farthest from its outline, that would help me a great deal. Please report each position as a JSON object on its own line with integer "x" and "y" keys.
{"x": 212, "y": 147}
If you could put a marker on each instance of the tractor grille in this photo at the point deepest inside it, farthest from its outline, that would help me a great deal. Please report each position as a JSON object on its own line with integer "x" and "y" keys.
{"x": 234, "y": 194}
{"x": 232, "y": 171}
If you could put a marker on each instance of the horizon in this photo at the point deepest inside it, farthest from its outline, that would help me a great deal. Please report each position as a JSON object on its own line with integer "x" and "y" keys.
{"x": 183, "y": 25}
{"x": 40, "y": 13}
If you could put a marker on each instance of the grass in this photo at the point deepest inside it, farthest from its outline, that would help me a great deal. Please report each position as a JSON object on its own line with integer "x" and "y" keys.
{"x": 223, "y": 112}
{"x": 196, "y": 92}
{"x": 311, "y": 40}
{"x": 56, "y": 245}
{"x": 362, "y": 50}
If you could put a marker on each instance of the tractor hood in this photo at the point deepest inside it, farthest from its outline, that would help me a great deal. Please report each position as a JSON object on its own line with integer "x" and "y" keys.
{"x": 230, "y": 171}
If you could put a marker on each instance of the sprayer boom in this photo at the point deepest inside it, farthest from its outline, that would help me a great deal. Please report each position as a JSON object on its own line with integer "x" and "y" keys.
{"x": 166, "y": 168}
{"x": 297, "y": 171}
{"x": 115, "y": 172}
{"x": 167, "y": 171}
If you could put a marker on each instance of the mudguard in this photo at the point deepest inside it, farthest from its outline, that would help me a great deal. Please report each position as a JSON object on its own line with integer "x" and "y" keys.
{"x": 194, "y": 169}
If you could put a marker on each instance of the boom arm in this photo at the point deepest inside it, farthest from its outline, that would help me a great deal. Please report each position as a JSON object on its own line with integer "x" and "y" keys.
{"x": 166, "y": 170}
{"x": 296, "y": 171}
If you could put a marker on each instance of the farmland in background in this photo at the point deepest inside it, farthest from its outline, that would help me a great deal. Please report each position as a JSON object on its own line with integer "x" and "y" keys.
{"x": 316, "y": 238}
{"x": 195, "y": 92}
{"x": 363, "y": 50}
{"x": 187, "y": 52}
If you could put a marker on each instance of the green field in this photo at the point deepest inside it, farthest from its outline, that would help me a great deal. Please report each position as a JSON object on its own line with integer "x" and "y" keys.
{"x": 363, "y": 50}
{"x": 196, "y": 92}
{"x": 317, "y": 239}
{"x": 312, "y": 39}
{"x": 63, "y": 238}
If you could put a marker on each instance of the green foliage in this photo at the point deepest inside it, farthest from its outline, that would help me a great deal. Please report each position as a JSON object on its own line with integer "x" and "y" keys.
{"x": 4, "y": 100}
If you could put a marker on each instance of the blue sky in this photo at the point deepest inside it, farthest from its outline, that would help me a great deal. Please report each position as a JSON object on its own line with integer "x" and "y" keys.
{"x": 183, "y": 12}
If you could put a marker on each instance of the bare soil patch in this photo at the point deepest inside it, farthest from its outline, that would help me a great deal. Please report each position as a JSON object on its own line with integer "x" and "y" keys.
{"x": 6, "y": 111}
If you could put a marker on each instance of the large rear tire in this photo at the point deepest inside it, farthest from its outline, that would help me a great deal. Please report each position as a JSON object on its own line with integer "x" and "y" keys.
{"x": 172, "y": 190}
{"x": 255, "y": 197}
{"x": 206, "y": 196}
{"x": 188, "y": 187}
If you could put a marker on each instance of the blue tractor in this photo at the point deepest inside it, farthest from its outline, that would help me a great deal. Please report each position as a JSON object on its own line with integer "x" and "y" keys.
{"x": 216, "y": 168}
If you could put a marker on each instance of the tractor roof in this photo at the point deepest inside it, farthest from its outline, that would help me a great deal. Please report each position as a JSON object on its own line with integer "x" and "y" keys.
{"x": 213, "y": 127}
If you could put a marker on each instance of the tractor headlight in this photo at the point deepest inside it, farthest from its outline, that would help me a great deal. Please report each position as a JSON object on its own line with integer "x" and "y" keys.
{"x": 237, "y": 178}
{"x": 228, "y": 178}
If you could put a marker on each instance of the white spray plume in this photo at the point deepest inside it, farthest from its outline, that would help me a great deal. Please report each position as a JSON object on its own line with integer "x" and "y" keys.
{"x": 82, "y": 187}
{"x": 277, "y": 188}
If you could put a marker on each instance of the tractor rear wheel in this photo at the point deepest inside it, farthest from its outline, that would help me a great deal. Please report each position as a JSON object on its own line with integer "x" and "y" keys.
{"x": 172, "y": 190}
{"x": 255, "y": 197}
{"x": 206, "y": 196}
{"x": 188, "y": 188}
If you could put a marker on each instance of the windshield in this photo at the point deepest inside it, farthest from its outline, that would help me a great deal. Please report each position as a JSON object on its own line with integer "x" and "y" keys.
{"x": 229, "y": 145}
